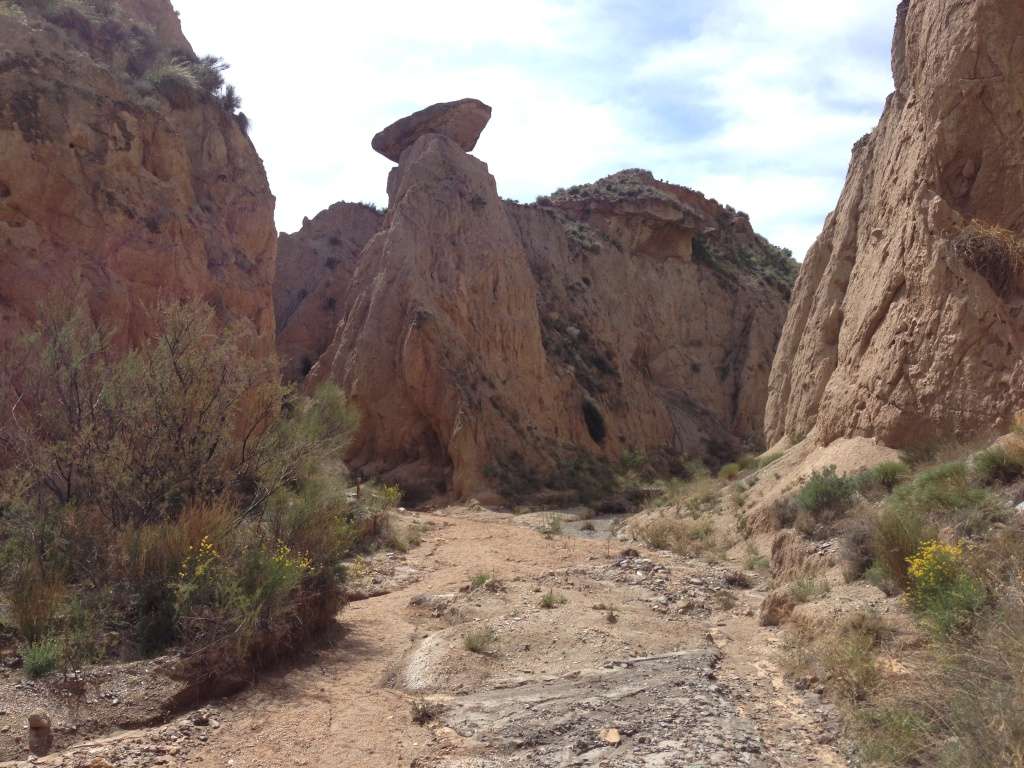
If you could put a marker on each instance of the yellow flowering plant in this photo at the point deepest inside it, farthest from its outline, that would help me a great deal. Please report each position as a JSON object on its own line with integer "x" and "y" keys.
{"x": 941, "y": 588}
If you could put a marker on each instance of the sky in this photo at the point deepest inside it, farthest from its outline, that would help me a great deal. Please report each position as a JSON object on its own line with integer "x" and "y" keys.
{"x": 756, "y": 103}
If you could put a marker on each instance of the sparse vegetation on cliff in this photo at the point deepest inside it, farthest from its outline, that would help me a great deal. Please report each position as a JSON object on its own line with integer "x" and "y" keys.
{"x": 995, "y": 253}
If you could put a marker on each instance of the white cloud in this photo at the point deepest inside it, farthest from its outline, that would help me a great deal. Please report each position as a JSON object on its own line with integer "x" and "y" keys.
{"x": 756, "y": 104}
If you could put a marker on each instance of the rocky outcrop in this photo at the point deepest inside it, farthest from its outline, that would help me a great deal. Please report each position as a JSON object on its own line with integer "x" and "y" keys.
{"x": 906, "y": 322}
{"x": 314, "y": 270}
{"x": 461, "y": 121}
{"x": 121, "y": 175}
{"x": 497, "y": 347}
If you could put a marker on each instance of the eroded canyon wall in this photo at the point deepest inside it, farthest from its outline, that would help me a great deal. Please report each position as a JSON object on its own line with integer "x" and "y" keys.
{"x": 906, "y": 320}
{"x": 121, "y": 179}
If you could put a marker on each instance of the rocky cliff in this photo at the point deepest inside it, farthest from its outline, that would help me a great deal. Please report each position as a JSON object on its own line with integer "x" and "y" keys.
{"x": 492, "y": 346}
{"x": 314, "y": 270}
{"x": 124, "y": 169}
{"x": 906, "y": 320}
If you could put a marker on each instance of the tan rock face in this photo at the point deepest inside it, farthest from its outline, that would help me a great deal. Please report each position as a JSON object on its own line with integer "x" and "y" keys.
{"x": 461, "y": 121}
{"x": 495, "y": 347}
{"x": 104, "y": 184}
{"x": 314, "y": 270}
{"x": 892, "y": 333}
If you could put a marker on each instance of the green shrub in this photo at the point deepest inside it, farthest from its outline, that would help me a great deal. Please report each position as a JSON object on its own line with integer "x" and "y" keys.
{"x": 900, "y": 531}
{"x": 122, "y": 466}
{"x": 41, "y": 657}
{"x": 944, "y": 495}
{"x": 997, "y": 466}
{"x": 480, "y": 580}
{"x": 825, "y": 492}
{"x": 208, "y": 73}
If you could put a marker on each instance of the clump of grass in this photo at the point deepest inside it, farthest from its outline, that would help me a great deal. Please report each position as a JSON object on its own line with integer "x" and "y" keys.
{"x": 960, "y": 702}
{"x": 995, "y": 253}
{"x": 882, "y": 478}
{"x": 755, "y": 561}
{"x": 997, "y": 466}
{"x": 41, "y": 657}
{"x": 552, "y": 599}
{"x": 479, "y": 641}
{"x": 685, "y": 536}
{"x": 807, "y": 589}
{"x": 552, "y": 525}
{"x": 844, "y": 656}
{"x": 480, "y": 580}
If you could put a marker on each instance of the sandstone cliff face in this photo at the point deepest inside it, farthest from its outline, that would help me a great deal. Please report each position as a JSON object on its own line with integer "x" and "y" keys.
{"x": 314, "y": 270}
{"x": 495, "y": 347}
{"x": 104, "y": 183}
{"x": 904, "y": 325}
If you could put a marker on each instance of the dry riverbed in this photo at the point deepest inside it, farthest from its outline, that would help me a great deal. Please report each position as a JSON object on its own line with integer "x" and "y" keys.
{"x": 492, "y": 644}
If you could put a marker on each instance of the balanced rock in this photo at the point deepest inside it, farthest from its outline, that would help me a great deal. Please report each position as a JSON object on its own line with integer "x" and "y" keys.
{"x": 461, "y": 121}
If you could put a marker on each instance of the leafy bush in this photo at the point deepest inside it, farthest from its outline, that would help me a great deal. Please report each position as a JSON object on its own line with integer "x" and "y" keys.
{"x": 178, "y": 485}
{"x": 825, "y": 492}
{"x": 41, "y": 657}
{"x": 998, "y": 466}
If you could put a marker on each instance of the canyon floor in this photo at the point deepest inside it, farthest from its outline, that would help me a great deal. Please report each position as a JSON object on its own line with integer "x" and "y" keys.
{"x": 644, "y": 659}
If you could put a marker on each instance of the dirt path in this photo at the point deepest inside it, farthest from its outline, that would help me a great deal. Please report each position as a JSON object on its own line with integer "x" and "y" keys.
{"x": 642, "y": 659}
